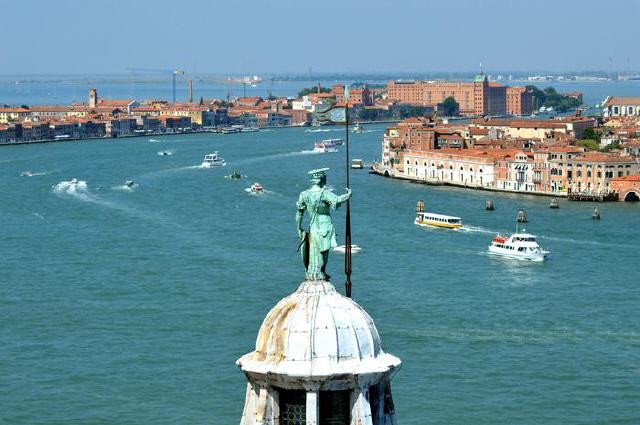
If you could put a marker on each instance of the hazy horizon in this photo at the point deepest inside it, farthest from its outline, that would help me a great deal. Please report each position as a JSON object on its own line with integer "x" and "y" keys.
{"x": 290, "y": 37}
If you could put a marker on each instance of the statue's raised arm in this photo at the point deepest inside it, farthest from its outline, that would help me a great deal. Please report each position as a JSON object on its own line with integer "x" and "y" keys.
{"x": 318, "y": 201}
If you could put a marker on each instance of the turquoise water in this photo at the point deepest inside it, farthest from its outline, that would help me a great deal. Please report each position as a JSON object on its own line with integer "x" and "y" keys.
{"x": 132, "y": 306}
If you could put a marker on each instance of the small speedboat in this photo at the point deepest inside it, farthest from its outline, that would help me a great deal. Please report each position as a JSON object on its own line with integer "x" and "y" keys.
{"x": 343, "y": 248}
{"x": 256, "y": 188}
{"x": 26, "y": 173}
{"x": 129, "y": 183}
{"x": 164, "y": 153}
{"x": 358, "y": 128}
{"x": 213, "y": 160}
{"x": 520, "y": 246}
{"x": 554, "y": 204}
{"x": 235, "y": 175}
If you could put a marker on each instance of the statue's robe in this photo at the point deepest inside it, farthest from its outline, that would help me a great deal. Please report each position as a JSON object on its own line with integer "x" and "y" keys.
{"x": 319, "y": 202}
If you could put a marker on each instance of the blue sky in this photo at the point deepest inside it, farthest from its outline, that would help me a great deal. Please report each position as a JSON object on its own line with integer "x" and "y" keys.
{"x": 253, "y": 36}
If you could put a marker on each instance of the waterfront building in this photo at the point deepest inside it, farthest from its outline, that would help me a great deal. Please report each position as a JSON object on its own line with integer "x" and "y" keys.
{"x": 537, "y": 128}
{"x": 519, "y": 101}
{"x": 479, "y": 97}
{"x": 621, "y": 106}
{"x": 589, "y": 171}
{"x": 173, "y": 124}
{"x": 116, "y": 105}
{"x": 470, "y": 168}
{"x": 13, "y": 114}
{"x": 318, "y": 360}
{"x": 44, "y": 112}
{"x": 515, "y": 172}
{"x": 627, "y": 187}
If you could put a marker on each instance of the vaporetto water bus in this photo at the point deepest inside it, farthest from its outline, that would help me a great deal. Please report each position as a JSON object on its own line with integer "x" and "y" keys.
{"x": 437, "y": 220}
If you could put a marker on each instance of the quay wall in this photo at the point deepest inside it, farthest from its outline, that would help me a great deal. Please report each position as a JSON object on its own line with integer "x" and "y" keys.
{"x": 436, "y": 182}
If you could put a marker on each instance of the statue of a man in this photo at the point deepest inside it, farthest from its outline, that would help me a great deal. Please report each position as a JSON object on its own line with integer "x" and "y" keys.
{"x": 321, "y": 237}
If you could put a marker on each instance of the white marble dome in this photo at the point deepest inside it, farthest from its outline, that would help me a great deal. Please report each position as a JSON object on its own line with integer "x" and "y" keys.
{"x": 317, "y": 332}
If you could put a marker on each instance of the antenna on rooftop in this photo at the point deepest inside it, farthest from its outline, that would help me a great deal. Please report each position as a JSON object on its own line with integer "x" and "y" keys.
{"x": 481, "y": 73}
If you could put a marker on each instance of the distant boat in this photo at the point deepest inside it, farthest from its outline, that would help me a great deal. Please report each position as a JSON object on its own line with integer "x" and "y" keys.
{"x": 358, "y": 128}
{"x": 343, "y": 248}
{"x": 437, "y": 220}
{"x": 325, "y": 146}
{"x": 213, "y": 160}
{"x": 229, "y": 130}
{"x": 26, "y": 173}
{"x": 129, "y": 183}
{"x": 249, "y": 129}
{"x": 356, "y": 164}
{"x": 257, "y": 188}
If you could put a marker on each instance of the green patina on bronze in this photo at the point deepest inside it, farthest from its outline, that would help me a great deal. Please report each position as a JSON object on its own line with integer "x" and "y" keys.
{"x": 318, "y": 201}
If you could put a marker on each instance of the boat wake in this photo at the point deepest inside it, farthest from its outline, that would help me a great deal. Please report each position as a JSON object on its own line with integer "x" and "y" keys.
{"x": 76, "y": 188}
{"x": 166, "y": 153}
{"x": 476, "y": 229}
{"x": 320, "y": 130}
{"x": 275, "y": 156}
{"x": 154, "y": 141}
{"x": 588, "y": 242}
{"x": 30, "y": 174}
{"x": 125, "y": 188}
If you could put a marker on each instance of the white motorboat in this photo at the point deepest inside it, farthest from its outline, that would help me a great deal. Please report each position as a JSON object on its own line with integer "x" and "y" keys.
{"x": 26, "y": 173}
{"x": 213, "y": 160}
{"x": 343, "y": 248}
{"x": 129, "y": 183}
{"x": 521, "y": 246}
{"x": 358, "y": 128}
{"x": 325, "y": 146}
{"x": 249, "y": 129}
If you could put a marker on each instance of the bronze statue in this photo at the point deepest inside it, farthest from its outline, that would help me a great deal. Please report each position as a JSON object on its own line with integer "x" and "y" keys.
{"x": 318, "y": 201}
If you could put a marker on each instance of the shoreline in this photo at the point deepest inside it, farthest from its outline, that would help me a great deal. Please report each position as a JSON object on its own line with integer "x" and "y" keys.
{"x": 30, "y": 142}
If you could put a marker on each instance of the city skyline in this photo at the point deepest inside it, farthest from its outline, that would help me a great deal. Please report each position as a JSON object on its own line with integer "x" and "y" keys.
{"x": 281, "y": 37}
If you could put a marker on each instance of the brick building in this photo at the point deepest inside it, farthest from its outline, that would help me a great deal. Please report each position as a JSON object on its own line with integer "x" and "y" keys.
{"x": 519, "y": 101}
{"x": 479, "y": 97}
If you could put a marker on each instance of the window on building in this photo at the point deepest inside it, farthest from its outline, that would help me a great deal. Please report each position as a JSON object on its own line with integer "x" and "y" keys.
{"x": 335, "y": 407}
{"x": 293, "y": 407}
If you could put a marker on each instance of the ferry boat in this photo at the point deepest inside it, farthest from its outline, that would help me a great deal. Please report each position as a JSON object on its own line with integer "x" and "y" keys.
{"x": 337, "y": 142}
{"x": 229, "y": 130}
{"x": 521, "y": 246}
{"x": 257, "y": 188}
{"x": 325, "y": 146}
{"x": 213, "y": 160}
{"x": 437, "y": 220}
{"x": 249, "y": 129}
